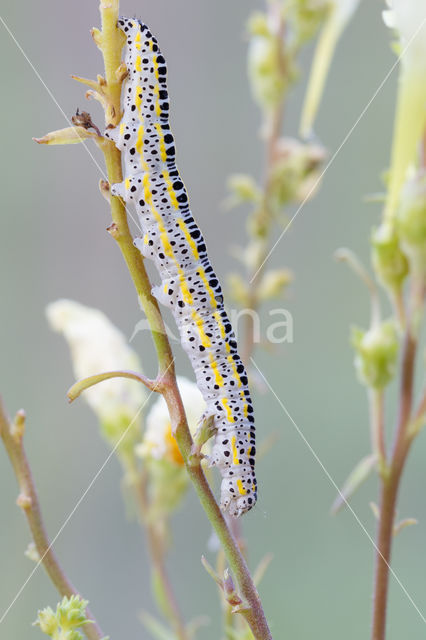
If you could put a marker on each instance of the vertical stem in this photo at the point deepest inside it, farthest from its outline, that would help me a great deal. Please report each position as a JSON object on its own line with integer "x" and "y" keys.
{"x": 156, "y": 549}
{"x": 389, "y": 490}
{"x": 30, "y": 505}
{"x": 273, "y": 133}
{"x": 376, "y": 401}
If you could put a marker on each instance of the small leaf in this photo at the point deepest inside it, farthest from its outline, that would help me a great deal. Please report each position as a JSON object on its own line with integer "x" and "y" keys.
{"x": 32, "y": 553}
{"x": 261, "y": 568}
{"x": 70, "y": 135}
{"x": 77, "y": 389}
{"x": 207, "y": 566}
{"x": 372, "y": 198}
{"x": 403, "y": 524}
{"x": 93, "y": 84}
{"x": 196, "y": 624}
{"x": 273, "y": 283}
{"x": 156, "y": 628}
{"x": 375, "y": 509}
{"x": 160, "y": 595}
{"x": 354, "y": 481}
{"x": 206, "y": 430}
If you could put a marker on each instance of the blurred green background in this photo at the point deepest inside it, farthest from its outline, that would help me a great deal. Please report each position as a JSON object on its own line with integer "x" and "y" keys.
{"x": 54, "y": 244}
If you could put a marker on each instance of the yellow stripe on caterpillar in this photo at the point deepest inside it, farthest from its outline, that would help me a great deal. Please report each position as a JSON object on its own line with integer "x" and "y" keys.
{"x": 163, "y": 153}
{"x": 235, "y": 459}
{"x": 228, "y": 410}
{"x": 188, "y": 238}
{"x": 240, "y": 487}
{"x": 170, "y": 189}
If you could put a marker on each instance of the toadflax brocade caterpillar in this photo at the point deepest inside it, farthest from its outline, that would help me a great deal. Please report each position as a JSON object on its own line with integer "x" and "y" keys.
{"x": 189, "y": 286}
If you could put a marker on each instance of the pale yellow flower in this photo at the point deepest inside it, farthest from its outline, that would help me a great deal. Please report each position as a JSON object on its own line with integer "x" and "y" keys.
{"x": 158, "y": 441}
{"x": 408, "y": 19}
{"x": 97, "y": 346}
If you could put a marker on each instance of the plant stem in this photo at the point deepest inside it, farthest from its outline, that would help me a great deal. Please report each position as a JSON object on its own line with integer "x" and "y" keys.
{"x": 156, "y": 548}
{"x": 120, "y": 231}
{"x": 12, "y": 437}
{"x": 377, "y": 421}
{"x": 390, "y": 486}
{"x": 273, "y": 128}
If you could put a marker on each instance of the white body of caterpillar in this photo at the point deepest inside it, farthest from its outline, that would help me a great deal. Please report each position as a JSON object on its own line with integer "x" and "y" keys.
{"x": 189, "y": 286}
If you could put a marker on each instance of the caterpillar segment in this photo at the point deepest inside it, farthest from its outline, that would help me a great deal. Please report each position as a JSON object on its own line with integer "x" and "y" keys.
{"x": 189, "y": 286}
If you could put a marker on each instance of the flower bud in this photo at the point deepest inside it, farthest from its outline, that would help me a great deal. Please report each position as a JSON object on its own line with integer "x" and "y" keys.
{"x": 273, "y": 283}
{"x": 307, "y": 16}
{"x": 243, "y": 188}
{"x": 258, "y": 24}
{"x": 268, "y": 82}
{"x": 376, "y": 352}
{"x": 238, "y": 289}
{"x": 63, "y": 623}
{"x": 295, "y": 174}
{"x": 411, "y": 221}
{"x": 47, "y": 622}
{"x": 71, "y": 612}
{"x": 389, "y": 261}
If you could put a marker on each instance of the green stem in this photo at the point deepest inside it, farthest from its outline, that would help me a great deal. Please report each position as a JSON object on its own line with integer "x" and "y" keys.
{"x": 12, "y": 437}
{"x": 156, "y": 548}
{"x": 120, "y": 231}
{"x": 273, "y": 127}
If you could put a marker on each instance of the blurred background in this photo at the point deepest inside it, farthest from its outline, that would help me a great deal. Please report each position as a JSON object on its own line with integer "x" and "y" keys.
{"x": 54, "y": 244}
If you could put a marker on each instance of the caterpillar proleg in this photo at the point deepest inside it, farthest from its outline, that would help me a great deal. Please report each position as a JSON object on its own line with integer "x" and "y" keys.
{"x": 189, "y": 286}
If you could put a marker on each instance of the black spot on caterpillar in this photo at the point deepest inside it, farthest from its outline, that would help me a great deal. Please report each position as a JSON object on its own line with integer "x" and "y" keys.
{"x": 189, "y": 286}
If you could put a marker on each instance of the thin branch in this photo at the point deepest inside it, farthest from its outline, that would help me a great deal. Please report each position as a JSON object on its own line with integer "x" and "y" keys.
{"x": 390, "y": 484}
{"x": 77, "y": 389}
{"x": 377, "y": 422}
{"x": 156, "y": 549}
{"x": 419, "y": 417}
{"x": 12, "y": 436}
{"x": 348, "y": 256}
{"x": 273, "y": 133}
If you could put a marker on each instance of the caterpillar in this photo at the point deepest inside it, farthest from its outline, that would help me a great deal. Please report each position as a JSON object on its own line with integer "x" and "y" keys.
{"x": 189, "y": 286}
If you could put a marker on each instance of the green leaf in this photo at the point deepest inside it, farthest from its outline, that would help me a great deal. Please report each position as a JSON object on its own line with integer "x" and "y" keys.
{"x": 70, "y": 135}
{"x": 156, "y": 628}
{"x": 77, "y": 388}
{"x": 160, "y": 595}
{"x": 354, "y": 481}
{"x": 402, "y": 524}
